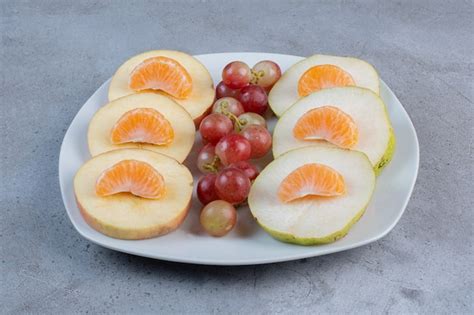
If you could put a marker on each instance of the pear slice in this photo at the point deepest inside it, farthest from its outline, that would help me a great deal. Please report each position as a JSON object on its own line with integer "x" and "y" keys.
{"x": 125, "y": 215}
{"x": 367, "y": 110}
{"x": 285, "y": 92}
{"x": 197, "y": 103}
{"x": 317, "y": 219}
{"x": 100, "y": 127}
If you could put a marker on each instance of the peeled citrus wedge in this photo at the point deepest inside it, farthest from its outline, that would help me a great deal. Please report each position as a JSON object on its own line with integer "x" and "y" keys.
{"x": 311, "y": 179}
{"x": 142, "y": 125}
{"x": 136, "y": 177}
{"x": 355, "y": 118}
{"x": 322, "y": 77}
{"x": 169, "y": 72}
{"x": 162, "y": 73}
{"x": 161, "y": 190}
{"x": 277, "y": 200}
{"x": 328, "y": 123}
{"x": 320, "y": 72}
{"x": 150, "y": 121}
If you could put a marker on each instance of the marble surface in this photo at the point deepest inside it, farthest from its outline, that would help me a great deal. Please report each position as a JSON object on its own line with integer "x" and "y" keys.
{"x": 54, "y": 55}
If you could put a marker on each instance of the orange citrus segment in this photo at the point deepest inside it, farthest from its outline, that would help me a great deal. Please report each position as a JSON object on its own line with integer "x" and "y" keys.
{"x": 322, "y": 77}
{"x": 162, "y": 73}
{"x": 328, "y": 123}
{"x": 311, "y": 180}
{"x": 142, "y": 125}
{"x": 136, "y": 177}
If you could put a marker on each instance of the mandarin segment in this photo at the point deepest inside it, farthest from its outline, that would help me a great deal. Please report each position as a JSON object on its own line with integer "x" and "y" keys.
{"x": 145, "y": 125}
{"x": 321, "y": 77}
{"x": 311, "y": 180}
{"x": 162, "y": 73}
{"x": 137, "y": 177}
{"x": 328, "y": 123}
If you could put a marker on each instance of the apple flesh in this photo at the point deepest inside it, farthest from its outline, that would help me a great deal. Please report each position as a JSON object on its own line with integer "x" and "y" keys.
{"x": 202, "y": 94}
{"x": 101, "y": 124}
{"x": 124, "y": 215}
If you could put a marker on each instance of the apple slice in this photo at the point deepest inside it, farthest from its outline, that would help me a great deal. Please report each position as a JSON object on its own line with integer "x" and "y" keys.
{"x": 128, "y": 216}
{"x": 201, "y": 96}
{"x": 175, "y": 118}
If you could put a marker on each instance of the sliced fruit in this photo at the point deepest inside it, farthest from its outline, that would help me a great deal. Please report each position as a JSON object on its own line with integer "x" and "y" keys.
{"x": 162, "y": 73}
{"x": 328, "y": 123}
{"x": 365, "y": 108}
{"x": 127, "y": 111}
{"x": 200, "y": 97}
{"x": 310, "y": 221}
{"x": 311, "y": 180}
{"x": 124, "y": 215}
{"x": 145, "y": 125}
{"x": 322, "y": 77}
{"x": 285, "y": 92}
{"x": 136, "y": 177}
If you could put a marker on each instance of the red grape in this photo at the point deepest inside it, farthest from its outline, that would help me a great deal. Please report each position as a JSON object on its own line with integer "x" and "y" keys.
{"x": 260, "y": 140}
{"x": 265, "y": 74}
{"x": 248, "y": 168}
{"x": 207, "y": 161}
{"x": 233, "y": 148}
{"x": 236, "y": 74}
{"x": 254, "y": 99}
{"x": 232, "y": 185}
{"x": 247, "y": 119}
{"x": 215, "y": 126}
{"x": 218, "y": 217}
{"x": 227, "y": 106}
{"x": 206, "y": 190}
{"x": 223, "y": 90}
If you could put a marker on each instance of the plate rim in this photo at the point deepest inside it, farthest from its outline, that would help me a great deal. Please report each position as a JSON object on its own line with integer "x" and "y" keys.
{"x": 257, "y": 261}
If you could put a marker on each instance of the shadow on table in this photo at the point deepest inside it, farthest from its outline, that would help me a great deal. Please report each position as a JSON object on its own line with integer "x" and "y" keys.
{"x": 154, "y": 266}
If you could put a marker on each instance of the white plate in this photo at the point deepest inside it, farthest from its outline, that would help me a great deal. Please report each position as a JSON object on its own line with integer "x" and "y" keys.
{"x": 247, "y": 243}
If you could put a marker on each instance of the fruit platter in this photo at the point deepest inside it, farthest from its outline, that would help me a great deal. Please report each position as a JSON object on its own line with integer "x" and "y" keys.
{"x": 238, "y": 158}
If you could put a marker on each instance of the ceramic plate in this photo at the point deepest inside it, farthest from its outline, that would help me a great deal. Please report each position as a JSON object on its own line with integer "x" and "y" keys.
{"x": 247, "y": 243}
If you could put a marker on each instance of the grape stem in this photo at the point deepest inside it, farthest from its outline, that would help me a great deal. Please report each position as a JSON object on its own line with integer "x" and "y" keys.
{"x": 212, "y": 167}
{"x": 256, "y": 76}
{"x": 239, "y": 123}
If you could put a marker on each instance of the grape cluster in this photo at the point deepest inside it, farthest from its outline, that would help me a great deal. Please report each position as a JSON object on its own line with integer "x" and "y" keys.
{"x": 235, "y": 132}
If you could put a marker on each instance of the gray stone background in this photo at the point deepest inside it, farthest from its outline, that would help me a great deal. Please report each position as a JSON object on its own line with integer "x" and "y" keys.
{"x": 55, "y": 54}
